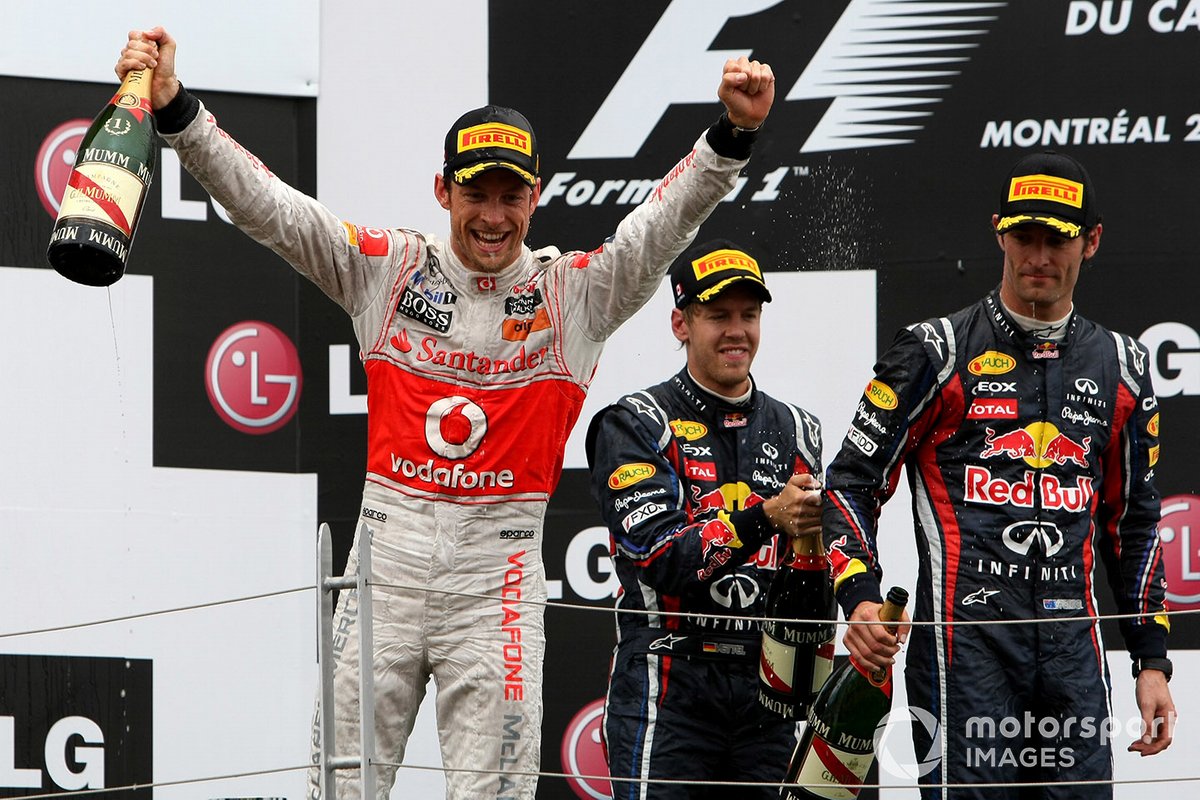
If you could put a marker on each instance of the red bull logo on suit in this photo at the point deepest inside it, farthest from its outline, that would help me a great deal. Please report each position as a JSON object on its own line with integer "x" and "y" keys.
{"x": 1040, "y": 444}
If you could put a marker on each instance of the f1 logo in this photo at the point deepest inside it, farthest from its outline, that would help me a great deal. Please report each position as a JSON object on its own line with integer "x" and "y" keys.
{"x": 688, "y": 27}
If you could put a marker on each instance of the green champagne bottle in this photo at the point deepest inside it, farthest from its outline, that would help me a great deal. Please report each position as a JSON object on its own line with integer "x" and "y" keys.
{"x": 797, "y": 657}
{"x": 105, "y": 193}
{"x": 838, "y": 745}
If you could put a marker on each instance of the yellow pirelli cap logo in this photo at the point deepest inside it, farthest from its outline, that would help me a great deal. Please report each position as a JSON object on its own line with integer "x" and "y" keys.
{"x": 1046, "y": 187}
{"x": 495, "y": 134}
{"x": 719, "y": 260}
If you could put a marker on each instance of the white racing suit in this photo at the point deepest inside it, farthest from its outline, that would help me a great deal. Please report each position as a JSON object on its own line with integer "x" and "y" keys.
{"x": 474, "y": 382}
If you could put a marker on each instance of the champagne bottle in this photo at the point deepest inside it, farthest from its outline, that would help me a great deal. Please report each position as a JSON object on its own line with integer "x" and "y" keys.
{"x": 837, "y": 747}
{"x": 106, "y": 190}
{"x": 797, "y": 657}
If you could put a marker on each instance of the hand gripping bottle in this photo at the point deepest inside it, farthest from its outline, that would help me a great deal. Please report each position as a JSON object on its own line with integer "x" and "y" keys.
{"x": 838, "y": 745}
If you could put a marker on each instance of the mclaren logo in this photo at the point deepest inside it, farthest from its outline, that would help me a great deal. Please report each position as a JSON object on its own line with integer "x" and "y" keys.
{"x": 882, "y": 65}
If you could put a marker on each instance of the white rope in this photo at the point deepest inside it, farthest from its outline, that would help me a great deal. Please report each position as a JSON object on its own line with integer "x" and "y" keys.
{"x": 606, "y": 609}
{"x": 162, "y": 784}
{"x": 734, "y": 618}
{"x": 157, "y": 613}
{"x": 778, "y": 784}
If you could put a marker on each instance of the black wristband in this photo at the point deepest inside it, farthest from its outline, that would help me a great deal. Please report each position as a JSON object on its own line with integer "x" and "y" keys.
{"x": 752, "y": 526}
{"x": 727, "y": 139}
{"x": 1163, "y": 665}
{"x": 177, "y": 114}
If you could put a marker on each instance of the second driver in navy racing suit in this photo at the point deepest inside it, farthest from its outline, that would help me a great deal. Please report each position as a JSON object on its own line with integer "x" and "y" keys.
{"x": 698, "y": 479}
{"x": 1031, "y": 435}
{"x": 478, "y": 354}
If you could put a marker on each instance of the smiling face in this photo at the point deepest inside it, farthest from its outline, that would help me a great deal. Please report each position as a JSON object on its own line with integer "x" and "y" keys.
{"x": 721, "y": 337}
{"x": 489, "y": 217}
{"x": 1041, "y": 268}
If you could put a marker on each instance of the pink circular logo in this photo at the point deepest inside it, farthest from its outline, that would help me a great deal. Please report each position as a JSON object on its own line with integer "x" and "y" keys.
{"x": 253, "y": 377}
{"x": 55, "y": 160}
{"x": 1180, "y": 534}
{"x": 583, "y": 753}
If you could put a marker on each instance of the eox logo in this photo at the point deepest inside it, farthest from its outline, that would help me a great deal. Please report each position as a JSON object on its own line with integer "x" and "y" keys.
{"x": 880, "y": 63}
{"x": 253, "y": 377}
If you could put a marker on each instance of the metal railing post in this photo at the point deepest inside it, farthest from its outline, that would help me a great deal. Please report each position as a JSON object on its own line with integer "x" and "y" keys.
{"x": 330, "y": 760}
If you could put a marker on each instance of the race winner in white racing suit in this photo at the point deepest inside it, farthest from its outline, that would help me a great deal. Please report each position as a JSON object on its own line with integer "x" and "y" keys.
{"x": 475, "y": 380}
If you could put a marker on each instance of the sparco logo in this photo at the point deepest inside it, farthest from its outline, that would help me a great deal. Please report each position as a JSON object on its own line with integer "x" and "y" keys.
{"x": 370, "y": 513}
{"x": 516, "y": 534}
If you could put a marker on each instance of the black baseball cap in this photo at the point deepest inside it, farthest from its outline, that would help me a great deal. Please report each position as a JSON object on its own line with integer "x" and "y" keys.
{"x": 704, "y": 271}
{"x": 487, "y": 138}
{"x": 1050, "y": 189}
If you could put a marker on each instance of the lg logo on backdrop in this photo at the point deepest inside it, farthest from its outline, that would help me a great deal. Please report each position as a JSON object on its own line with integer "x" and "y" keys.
{"x": 74, "y": 756}
{"x": 75, "y": 722}
{"x": 1174, "y": 358}
{"x": 253, "y": 377}
{"x": 589, "y": 568}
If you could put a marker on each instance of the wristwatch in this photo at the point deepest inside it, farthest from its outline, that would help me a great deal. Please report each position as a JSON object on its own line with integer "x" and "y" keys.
{"x": 1163, "y": 665}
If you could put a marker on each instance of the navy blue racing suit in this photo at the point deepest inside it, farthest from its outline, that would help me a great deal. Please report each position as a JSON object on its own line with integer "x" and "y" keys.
{"x": 680, "y": 476}
{"x": 1028, "y": 460}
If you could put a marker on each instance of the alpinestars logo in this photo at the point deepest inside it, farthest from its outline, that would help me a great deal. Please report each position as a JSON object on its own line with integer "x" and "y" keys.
{"x": 882, "y": 65}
